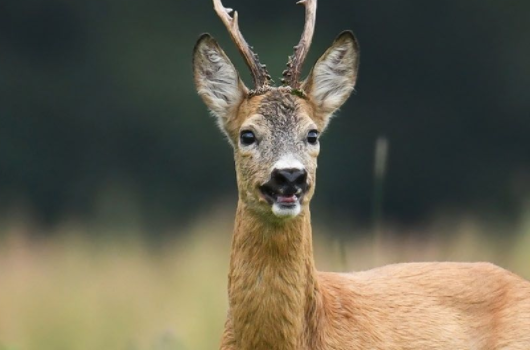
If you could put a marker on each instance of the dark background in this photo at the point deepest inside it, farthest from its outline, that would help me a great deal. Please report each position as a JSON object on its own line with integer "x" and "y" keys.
{"x": 99, "y": 117}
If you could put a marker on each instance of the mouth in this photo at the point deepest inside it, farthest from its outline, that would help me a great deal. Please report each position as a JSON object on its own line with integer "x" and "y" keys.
{"x": 284, "y": 202}
{"x": 284, "y": 198}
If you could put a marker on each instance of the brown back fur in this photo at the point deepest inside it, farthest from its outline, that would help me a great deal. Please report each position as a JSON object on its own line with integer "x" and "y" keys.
{"x": 279, "y": 301}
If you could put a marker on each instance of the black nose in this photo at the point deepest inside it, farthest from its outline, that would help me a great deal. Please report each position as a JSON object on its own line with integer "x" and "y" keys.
{"x": 289, "y": 181}
{"x": 289, "y": 177}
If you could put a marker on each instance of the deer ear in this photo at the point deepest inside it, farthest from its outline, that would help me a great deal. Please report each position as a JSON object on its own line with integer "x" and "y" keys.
{"x": 333, "y": 77}
{"x": 216, "y": 79}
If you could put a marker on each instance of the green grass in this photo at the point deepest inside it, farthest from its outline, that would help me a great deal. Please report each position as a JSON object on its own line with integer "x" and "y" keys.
{"x": 74, "y": 292}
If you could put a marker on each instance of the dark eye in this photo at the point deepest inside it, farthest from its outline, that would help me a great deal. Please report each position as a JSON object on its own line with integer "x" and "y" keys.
{"x": 247, "y": 137}
{"x": 312, "y": 137}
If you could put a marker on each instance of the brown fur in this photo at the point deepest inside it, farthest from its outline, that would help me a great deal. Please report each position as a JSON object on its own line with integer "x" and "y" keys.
{"x": 277, "y": 299}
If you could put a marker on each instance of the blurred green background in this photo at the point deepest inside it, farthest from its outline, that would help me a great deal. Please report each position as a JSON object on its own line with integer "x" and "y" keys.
{"x": 117, "y": 191}
{"x": 98, "y": 103}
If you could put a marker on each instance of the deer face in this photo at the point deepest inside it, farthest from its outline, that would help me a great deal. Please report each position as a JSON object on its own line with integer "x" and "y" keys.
{"x": 275, "y": 130}
{"x": 275, "y": 134}
{"x": 276, "y": 145}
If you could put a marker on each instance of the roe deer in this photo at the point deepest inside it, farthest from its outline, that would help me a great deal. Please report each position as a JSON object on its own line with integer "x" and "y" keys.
{"x": 277, "y": 299}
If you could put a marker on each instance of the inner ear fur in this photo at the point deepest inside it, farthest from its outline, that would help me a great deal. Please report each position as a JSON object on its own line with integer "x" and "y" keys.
{"x": 217, "y": 80}
{"x": 333, "y": 77}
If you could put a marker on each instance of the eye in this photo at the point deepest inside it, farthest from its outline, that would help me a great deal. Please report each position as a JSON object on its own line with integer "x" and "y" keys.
{"x": 312, "y": 137}
{"x": 247, "y": 137}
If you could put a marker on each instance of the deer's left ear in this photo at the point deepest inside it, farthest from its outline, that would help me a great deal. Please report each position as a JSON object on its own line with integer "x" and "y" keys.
{"x": 333, "y": 77}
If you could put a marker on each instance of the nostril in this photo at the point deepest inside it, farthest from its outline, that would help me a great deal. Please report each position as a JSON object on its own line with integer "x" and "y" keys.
{"x": 302, "y": 178}
{"x": 279, "y": 177}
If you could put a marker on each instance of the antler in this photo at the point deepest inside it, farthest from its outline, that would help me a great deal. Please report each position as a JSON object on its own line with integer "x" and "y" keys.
{"x": 260, "y": 75}
{"x": 294, "y": 66}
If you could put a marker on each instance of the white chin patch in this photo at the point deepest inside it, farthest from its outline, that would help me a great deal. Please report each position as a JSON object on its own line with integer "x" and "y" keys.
{"x": 284, "y": 211}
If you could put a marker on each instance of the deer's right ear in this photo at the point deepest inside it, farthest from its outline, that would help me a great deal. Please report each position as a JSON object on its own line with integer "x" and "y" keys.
{"x": 216, "y": 79}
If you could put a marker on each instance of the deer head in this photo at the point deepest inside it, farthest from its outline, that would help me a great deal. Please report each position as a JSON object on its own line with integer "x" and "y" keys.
{"x": 275, "y": 130}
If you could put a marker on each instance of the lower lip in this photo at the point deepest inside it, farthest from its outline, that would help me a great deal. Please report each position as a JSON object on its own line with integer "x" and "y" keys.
{"x": 284, "y": 201}
{"x": 287, "y": 200}
{"x": 286, "y": 205}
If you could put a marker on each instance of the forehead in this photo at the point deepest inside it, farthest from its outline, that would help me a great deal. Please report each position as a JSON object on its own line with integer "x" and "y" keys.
{"x": 276, "y": 103}
{"x": 280, "y": 110}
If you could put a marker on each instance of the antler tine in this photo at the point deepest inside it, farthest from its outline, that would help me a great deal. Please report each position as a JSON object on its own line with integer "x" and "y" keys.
{"x": 294, "y": 66}
{"x": 260, "y": 75}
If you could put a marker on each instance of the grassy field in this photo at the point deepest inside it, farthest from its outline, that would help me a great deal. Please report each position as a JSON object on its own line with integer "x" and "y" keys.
{"x": 74, "y": 292}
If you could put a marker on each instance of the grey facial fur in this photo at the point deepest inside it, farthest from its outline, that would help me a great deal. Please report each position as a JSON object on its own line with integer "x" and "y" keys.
{"x": 280, "y": 113}
{"x": 281, "y": 126}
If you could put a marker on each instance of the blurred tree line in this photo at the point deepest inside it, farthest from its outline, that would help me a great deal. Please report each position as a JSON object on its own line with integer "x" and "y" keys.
{"x": 98, "y": 111}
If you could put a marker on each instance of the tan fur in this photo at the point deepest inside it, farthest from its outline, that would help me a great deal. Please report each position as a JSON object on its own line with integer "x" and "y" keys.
{"x": 277, "y": 299}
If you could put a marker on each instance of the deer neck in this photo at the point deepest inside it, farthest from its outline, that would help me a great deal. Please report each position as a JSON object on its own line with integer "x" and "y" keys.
{"x": 272, "y": 281}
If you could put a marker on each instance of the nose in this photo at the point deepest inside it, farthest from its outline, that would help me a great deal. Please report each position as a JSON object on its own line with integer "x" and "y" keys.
{"x": 290, "y": 181}
{"x": 289, "y": 177}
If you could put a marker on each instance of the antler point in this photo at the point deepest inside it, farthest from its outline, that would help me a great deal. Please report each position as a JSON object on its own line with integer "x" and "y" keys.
{"x": 229, "y": 17}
